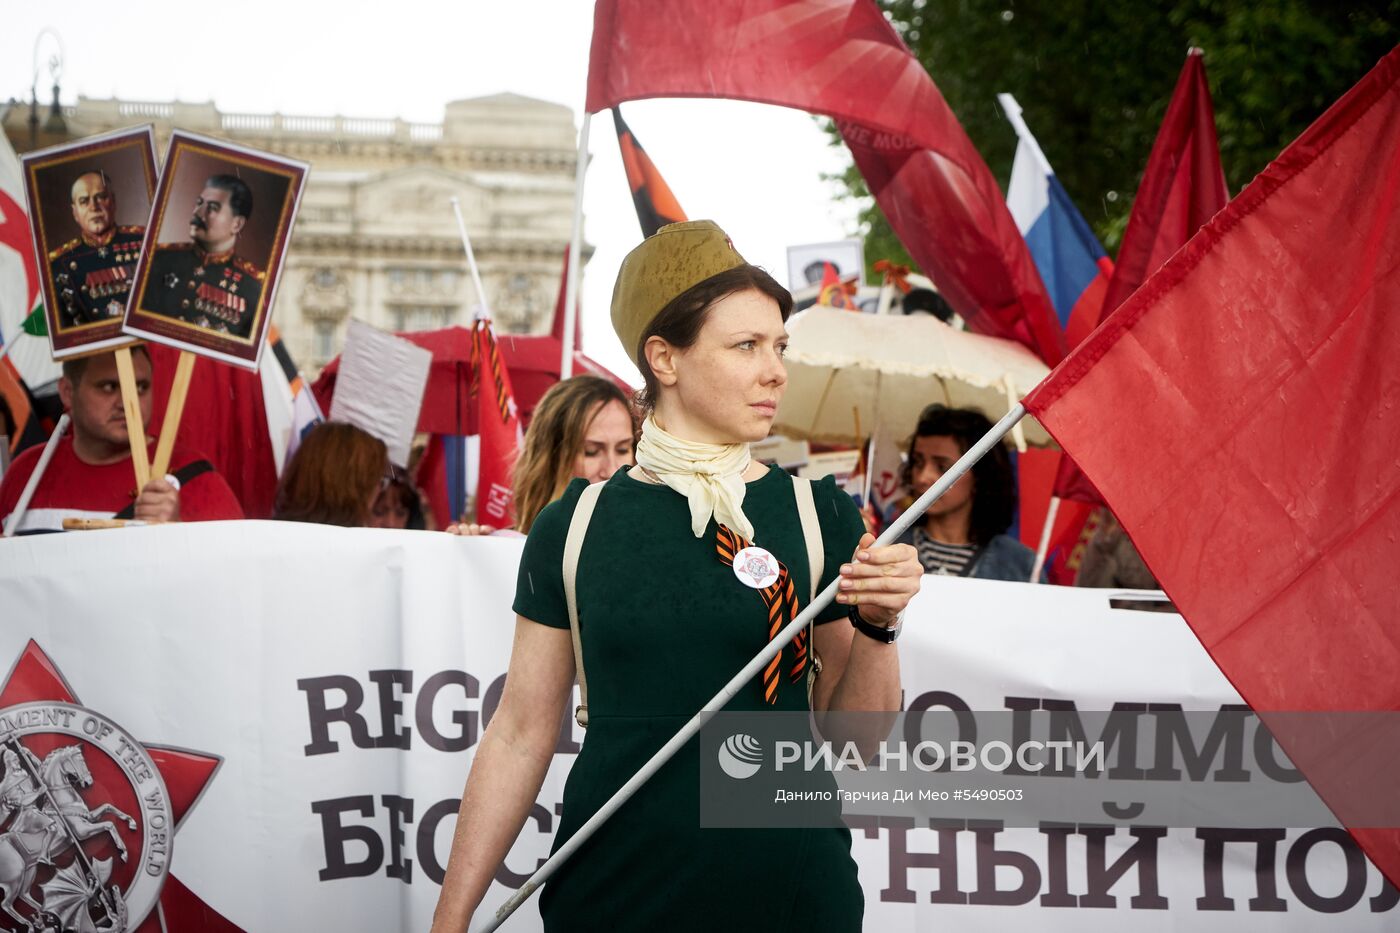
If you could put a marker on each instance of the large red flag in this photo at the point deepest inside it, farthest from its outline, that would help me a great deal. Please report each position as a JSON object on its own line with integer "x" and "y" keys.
{"x": 498, "y": 423}
{"x": 1182, "y": 187}
{"x": 842, "y": 58}
{"x": 1238, "y": 413}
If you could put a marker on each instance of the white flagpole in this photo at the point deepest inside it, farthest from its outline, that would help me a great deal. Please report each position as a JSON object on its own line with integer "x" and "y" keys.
{"x": 1018, "y": 436}
{"x": 1043, "y": 548}
{"x": 870, "y": 450}
{"x": 886, "y": 296}
{"x": 869, "y": 469}
{"x": 484, "y": 307}
{"x": 17, "y": 516}
{"x": 1023, "y": 132}
{"x": 566, "y": 359}
{"x": 750, "y": 670}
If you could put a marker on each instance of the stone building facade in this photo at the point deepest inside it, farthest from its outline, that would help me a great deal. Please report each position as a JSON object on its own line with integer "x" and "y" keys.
{"x": 376, "y": 238}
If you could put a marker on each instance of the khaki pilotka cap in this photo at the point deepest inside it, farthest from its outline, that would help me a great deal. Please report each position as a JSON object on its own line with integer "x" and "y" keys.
{"x": 668, "y": 263}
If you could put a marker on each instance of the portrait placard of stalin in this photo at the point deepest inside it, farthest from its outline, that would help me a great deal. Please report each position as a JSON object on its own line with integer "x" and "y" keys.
{"x": 205, "y": 281}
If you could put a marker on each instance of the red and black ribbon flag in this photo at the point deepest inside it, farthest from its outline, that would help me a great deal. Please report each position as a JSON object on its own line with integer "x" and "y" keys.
{"x": 780, "y": 598}
{"x": 656, "y": 205}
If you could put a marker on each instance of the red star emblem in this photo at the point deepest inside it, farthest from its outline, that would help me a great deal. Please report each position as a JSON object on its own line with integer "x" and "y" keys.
{"x": 43, "y": 725}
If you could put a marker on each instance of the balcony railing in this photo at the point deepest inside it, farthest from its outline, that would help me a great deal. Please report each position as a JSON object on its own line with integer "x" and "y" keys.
{"x": 205, "y": 117}
{"x": 357, "y": 127}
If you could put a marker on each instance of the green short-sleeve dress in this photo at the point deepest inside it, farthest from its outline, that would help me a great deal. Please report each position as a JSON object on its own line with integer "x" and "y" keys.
{"x": 664, "y": 625}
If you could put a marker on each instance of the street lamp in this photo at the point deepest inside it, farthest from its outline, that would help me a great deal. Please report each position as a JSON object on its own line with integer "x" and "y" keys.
{"x": 56, "y": 57}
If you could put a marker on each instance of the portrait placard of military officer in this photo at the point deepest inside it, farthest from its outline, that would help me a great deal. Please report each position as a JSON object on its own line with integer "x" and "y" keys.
{"x": 89, "y": 202}
{"x": 218, "y": 233}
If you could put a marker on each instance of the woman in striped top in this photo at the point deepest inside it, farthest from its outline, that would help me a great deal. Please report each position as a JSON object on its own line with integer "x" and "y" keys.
{"x": 964, "y": 533}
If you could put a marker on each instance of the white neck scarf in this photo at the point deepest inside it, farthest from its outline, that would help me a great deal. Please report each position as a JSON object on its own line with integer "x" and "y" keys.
{"x": 710, "y": 476}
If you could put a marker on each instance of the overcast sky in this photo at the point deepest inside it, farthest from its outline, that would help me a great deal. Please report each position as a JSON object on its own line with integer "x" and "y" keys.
{"x": 755, "y": 169}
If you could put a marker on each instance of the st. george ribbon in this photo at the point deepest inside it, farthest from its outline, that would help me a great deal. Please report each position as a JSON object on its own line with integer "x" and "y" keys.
{"x": 749, "y": 671}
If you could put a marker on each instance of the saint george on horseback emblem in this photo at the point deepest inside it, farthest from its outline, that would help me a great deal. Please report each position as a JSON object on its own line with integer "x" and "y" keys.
{"x": 91, "y": 853}
{"x": 86, "y": 820}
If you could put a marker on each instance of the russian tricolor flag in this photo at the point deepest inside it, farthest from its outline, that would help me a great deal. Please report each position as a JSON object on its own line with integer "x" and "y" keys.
{"x": 1076, "y": 273}
{"x": 1070, "y": 260}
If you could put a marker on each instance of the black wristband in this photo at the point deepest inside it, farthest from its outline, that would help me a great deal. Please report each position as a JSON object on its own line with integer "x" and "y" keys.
{"x": 884, "y": 636}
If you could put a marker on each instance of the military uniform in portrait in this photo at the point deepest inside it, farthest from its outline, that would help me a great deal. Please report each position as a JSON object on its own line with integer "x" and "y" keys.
{"x": 92, "y": 280}
{"x": 217, "y": 291}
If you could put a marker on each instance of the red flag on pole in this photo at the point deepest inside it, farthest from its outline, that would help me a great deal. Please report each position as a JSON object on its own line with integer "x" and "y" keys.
{"x": 842, "y": 58}
{"x": 656, "y": 205}
{"x": 1182, "y": 187}
{"x": 1238, "y": 413}
{"x": 557, "y": 330}
{"x": 498, "y": 423}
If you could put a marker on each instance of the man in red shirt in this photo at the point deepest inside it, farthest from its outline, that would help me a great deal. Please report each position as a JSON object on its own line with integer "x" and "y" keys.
{"x": 91, "y": 475}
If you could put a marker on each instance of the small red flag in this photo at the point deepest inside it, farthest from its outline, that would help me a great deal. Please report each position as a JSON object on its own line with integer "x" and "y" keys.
{"x": 498, "y": 423}
{"x": 1238, "y": 414}
{"x": 1182, "y": 187}
{"x": 557, "y": 330}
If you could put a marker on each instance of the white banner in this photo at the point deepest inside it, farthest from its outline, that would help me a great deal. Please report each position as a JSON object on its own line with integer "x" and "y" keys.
{"x": 301, "y": 705}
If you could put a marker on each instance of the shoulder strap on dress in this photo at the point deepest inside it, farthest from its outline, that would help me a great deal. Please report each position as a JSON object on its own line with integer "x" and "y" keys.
{"x": 811, "y": 531}
{"x": 573, "y": 545}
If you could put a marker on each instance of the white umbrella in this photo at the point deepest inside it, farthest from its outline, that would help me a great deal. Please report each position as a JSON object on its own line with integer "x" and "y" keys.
{"x": 888, "y": 367}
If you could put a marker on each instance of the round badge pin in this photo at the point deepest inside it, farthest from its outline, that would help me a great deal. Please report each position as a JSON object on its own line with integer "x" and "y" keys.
{"x": 756, "y": 568}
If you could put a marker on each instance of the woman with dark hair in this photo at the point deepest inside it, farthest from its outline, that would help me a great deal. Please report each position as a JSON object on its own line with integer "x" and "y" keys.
{"x": 667, "y": 603}
{"x": 334, "y": 477}
{"x": 398, "y": 504}
{"x": 964, "y": 533}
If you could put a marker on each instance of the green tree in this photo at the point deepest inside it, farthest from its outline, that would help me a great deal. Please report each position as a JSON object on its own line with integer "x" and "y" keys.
{"x": 1095, "y": 79}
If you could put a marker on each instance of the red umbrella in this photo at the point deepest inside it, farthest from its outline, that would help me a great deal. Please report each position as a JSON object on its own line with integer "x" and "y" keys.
{"x": 533, "y": 362}
{"x": 534, "y": 367}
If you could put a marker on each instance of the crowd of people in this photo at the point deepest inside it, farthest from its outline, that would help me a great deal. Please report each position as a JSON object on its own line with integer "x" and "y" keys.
{"x": 668, "y": 474}
{"x": 583, "y": 427}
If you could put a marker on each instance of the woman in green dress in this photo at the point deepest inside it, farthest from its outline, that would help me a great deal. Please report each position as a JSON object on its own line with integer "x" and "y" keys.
{"x": 664, "y": 622}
